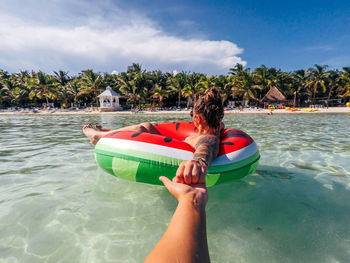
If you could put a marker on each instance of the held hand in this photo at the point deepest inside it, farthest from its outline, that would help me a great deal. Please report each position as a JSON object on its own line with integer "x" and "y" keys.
{"x": 191, "y": 172}
{"x": 197, "y": 193}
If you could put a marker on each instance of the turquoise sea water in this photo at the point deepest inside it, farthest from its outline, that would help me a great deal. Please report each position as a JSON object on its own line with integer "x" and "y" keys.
{"x": 58, "y": 206}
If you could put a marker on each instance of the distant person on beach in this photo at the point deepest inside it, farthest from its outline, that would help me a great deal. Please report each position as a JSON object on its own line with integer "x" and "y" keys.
{"x": 185, "y": 239}
{"x": 207, "y": 116}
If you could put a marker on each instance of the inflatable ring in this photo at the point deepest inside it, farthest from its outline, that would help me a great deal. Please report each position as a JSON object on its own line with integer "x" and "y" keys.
{"x": 143, "y": 157}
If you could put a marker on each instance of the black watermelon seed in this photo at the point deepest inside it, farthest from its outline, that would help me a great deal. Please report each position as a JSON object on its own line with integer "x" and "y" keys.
{"x": 195, "y": 128}
{"x": 228, "y": 143}
{"x": 113, "y": 133}
{"x": 167, "y": 139}
{"x": 232, "y": 134}
{"x": 177, "y": 125}
{"x": 136, "y": 134}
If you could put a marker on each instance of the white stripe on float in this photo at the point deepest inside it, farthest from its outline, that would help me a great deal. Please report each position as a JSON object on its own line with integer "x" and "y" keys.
{"x": 231, "y": 157}
{"x": 148, "y": 148}
{"x": 236, "y": 156}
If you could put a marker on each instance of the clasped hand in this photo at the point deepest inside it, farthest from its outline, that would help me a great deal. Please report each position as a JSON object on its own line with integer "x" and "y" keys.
{"x": 191, "y": 172}
{"x": 194, "y": 193}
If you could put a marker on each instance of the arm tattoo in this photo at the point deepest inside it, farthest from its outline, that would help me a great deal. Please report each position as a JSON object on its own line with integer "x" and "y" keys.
{"x": 207, "y": 148}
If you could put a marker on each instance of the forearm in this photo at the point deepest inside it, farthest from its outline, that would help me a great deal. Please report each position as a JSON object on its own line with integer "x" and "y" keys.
{"x": 206, "y": 149}
{"x": 185, "y": 240}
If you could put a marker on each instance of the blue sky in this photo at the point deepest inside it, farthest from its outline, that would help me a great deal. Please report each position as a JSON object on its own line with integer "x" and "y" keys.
{"x": 198, "y": 36}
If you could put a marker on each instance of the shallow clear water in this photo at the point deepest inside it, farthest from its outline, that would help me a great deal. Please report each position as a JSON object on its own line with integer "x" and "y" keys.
{"x": 58, "y": 206}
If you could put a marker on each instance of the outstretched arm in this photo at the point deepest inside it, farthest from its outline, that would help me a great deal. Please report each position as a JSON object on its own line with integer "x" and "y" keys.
{"x": 185, "y": 240}
{"x": 194, "y": 171}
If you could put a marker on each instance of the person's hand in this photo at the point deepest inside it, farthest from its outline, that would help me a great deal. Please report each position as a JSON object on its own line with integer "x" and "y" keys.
{"x": 196, "y": 193}
{"x": 191, "y": 172}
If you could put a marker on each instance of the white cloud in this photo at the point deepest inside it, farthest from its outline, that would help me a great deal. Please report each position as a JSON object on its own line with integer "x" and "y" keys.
{"x": 105, "y": 41}
{"x": 114, "y": 72}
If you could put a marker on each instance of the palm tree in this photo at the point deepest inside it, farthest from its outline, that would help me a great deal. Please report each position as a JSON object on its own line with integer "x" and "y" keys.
{"x": 136, "y": 84}
{"x": 264, "y": 79}
{"x": 42, "y": 86}
{"x": 91, "y": 84}
{"x": 333, "y": 83}
{"x": 204, "y": 83}
{"x": 284, "y": 81}
{"x": 192, "y": 87}
{"x": 228, "y": 88}
{"x": 243, "y": 86}
{"x": 21, "y": 82}
{"x": 110, "y": 80}
{"x": 73, "y": 87}
{"x": 177, "y": 85}
{"x": 236, "y": 70}
{"x": 61, "y": 77}
{"x": 318, "y": 78}
{"x": 224, "y": 84}
{"x": 6, "y": 91}
{"x": 143, "y": 84}
{"x": 127, "y": 87}
{"x": 21, "y": 78}
{"x": 161, "y": 93}
{"x": 160, "y": 86}
{"x": 63, "y": 93}
{"x": 344, "y": 80}
{"x": 300, "y": 80}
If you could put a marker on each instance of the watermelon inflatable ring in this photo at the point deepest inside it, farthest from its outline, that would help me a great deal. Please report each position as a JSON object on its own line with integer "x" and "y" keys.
{"x": 143, "y": 157}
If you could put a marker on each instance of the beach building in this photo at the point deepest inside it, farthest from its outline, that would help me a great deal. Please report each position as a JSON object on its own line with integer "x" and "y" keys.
{"x": 275, "y": 96}
{"x": 109, "y": 100}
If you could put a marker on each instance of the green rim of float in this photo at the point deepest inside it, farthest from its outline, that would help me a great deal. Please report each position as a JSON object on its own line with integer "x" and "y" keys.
{"x": 143, "y": 157}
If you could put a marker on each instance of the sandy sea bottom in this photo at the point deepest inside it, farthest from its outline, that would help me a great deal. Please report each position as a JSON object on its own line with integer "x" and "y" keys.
{"x": 58, "y": 206}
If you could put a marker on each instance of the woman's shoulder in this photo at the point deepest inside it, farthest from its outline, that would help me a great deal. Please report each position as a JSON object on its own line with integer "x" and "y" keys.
{"x": 193, "y": 140}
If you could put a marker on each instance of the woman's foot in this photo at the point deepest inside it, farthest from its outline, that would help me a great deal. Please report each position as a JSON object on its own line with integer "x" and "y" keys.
{"x": 91, "y": 133}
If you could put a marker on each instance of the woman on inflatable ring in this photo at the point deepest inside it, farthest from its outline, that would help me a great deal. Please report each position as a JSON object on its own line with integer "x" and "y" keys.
{"x": 183, "y": 151}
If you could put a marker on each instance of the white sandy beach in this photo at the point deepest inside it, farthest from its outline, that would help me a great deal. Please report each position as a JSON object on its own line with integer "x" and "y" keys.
{"x": 236, "y": 111}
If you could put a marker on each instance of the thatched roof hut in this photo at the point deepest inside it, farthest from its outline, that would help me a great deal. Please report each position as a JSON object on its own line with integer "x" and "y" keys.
{"x": 274, "y": 96}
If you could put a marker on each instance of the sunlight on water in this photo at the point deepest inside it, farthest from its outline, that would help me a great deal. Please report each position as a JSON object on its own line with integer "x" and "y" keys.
{"x": 58, "y": 206}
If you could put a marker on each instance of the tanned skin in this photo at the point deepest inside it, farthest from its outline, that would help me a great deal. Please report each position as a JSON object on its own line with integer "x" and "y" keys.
{"x": 96, "y": 134}
{"x": 185, "y": 240}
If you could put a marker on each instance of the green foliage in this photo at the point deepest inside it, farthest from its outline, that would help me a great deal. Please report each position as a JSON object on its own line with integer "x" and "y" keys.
{"x": 140, "y": 87}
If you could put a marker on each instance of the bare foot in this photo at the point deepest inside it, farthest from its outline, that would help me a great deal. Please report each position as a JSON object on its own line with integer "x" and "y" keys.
{"x": 91, "y": 133}
{"x": 100, "y": 128}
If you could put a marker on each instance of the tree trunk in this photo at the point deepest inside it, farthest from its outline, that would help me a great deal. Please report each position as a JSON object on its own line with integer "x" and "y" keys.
{"x": 189, "y": 101}
{"x": 314, "y": 95}
{"x": 329, "y": 95}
